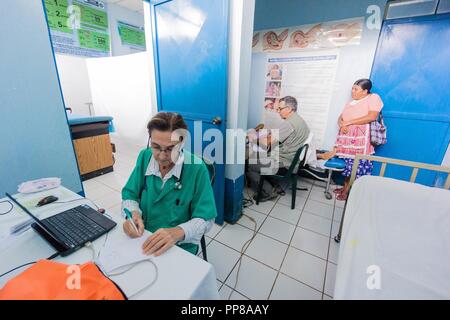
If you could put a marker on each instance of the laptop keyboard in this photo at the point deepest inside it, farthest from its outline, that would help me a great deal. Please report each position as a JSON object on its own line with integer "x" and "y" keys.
{"x": 73, "y": 227}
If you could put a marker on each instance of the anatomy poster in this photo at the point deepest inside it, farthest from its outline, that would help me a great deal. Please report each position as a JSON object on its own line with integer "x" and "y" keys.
{"x": 316, "y": 36}
{"x": 310, "y": 78}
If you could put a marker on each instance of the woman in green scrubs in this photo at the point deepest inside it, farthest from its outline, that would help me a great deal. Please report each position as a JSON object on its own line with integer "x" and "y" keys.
{"x": 169, "y": 191}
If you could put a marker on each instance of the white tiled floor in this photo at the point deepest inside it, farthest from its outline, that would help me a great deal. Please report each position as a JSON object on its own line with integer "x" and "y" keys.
{"x": 305, "y": 268}
{"x": 255, "y": 279}
{"x": 287, "y": 288}
{"x": 292, "y": 256}
{"x": 277, "y": 229}
{"x": 267, "y": 250}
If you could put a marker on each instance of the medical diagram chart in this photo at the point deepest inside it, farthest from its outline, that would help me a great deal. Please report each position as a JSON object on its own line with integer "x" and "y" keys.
{"x": 308, "y": 76}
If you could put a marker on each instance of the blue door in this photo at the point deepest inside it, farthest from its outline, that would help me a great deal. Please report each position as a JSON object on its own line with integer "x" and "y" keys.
{"x": 190, "y": 42}
{"x": 411, "y": 72}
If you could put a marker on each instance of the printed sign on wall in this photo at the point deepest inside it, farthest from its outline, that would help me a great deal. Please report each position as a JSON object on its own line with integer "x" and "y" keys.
{"x": 132, "y": 36}
{"x": 79, "y": 27}
{"x": 307, "y": 76}
{"x": 319, "y": 36}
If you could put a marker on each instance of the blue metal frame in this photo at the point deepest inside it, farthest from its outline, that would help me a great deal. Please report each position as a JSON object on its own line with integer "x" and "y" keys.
{"x": 82, "y": 193}
{"x": 444, "y": 118}
{"x": 155, "y": 50}
{"x": 153, "y": 4}
{"x": 406, "y": 20}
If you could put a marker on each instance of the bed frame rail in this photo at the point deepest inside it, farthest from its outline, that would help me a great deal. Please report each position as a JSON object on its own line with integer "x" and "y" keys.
{"x": 415, "y": 165}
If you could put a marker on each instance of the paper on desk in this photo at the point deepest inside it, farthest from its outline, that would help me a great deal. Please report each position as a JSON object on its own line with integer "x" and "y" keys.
{"x": 39, "y": 185}
{"x": 122, "y": 253}
{"x": 7, "y": 240}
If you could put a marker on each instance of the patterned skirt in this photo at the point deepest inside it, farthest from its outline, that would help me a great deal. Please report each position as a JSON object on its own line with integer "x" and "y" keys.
{"x": 365, "y": 167}
{"x": 355, "y": 141}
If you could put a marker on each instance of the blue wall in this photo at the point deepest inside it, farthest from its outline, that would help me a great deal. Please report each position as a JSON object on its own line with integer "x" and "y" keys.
{"x": 34, "y": 135}
{"x": 412, "y": 74}
{"x": 285, "y": 13}
{"x": 355, "y": 62}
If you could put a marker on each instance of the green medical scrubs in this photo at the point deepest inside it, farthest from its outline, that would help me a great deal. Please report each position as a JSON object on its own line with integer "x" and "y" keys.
{"x": 179, "y": 201}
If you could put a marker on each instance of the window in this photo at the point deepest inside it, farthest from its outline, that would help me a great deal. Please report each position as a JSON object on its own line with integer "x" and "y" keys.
{"x": 444, "y": 6}
{"x": 411, "y": 8}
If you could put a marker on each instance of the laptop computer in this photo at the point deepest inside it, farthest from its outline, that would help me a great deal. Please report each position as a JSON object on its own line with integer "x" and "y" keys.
{"x": 71, "y": 229}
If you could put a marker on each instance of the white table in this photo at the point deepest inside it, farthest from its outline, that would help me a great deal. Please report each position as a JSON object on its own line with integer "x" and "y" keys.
{"x": 181, "y": 275}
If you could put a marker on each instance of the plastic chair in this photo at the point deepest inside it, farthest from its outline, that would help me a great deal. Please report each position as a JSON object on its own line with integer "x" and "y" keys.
{"x": 290, "y": 174}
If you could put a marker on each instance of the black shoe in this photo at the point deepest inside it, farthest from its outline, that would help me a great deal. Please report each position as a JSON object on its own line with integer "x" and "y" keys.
{"x": 279, "y": 189}
{"x": 266, "y": 197}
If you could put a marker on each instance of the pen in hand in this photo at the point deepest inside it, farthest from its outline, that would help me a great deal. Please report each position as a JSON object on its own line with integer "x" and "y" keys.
{"x": 130, "y": 217}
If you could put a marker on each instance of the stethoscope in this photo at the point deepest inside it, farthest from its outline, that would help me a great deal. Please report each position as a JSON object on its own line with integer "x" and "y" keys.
{"x": 178, "y": 184}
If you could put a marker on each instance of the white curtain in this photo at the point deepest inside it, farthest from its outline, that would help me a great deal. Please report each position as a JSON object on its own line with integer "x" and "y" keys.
{"x": 120, "y": 87}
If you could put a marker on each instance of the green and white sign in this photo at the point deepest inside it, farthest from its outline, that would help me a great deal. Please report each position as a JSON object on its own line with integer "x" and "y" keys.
{"x": 130, "y": 35}
{"x": 91, "y": 17}
{"x": 93, "y": 40}
{"x": 79, "y": 27}
{"x": 57, "y": 15}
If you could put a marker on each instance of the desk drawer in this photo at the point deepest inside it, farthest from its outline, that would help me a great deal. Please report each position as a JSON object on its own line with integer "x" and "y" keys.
{"x": 93, "y": 153}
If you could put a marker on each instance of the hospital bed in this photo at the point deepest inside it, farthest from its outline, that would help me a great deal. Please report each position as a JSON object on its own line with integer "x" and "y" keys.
{"x": 395, "y": 237}
{"x": 91, "y": 140}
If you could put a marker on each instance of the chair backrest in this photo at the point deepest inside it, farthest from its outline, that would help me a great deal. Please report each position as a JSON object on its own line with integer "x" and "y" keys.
{"x": 299, "y": 159}
{"x": 311, "y": 152}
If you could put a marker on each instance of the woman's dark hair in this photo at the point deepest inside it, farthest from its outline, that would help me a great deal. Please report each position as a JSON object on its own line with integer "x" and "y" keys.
{"x": 365, "y": 84}
{"x": 166, "y": 121}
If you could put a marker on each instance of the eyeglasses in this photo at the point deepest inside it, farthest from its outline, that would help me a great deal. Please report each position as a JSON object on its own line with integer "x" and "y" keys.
{"x": 157, "y": 148}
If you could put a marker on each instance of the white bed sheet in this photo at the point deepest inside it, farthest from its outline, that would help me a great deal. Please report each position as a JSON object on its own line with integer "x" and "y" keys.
{"x": 401, "y": 228}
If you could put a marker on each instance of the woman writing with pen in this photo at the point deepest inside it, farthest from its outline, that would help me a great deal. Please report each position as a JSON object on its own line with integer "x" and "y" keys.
{"x": 169, "y": 191}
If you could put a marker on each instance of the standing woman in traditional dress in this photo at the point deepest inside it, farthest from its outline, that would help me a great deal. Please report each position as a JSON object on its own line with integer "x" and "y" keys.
{"x": 354, "y": 132}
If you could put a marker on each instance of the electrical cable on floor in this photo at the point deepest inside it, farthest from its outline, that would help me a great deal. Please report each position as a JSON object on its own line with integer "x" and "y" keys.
{"x": 9, "y": 210}
{"x": 244, "y": 247}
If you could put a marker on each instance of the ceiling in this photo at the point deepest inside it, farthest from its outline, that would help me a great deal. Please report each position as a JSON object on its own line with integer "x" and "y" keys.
{"x": 133, "y": 5}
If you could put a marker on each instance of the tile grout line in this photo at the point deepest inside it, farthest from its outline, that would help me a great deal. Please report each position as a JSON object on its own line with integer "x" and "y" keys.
{"x": 243, "y": 253}
{"x": 328, "y": 253}
{"x": 301, "y": 282}
{"x": 311, "y": 254}
{"x": 315, "y": 214}
{"x": 329, "y": 245}
{"x": 281, "y": 242}
{"x": 289, "y": 245}
{"x": 236, "y": 292}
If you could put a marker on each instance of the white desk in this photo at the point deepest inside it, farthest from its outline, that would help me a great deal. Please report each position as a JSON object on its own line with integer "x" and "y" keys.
{"x": 181, "y": 275}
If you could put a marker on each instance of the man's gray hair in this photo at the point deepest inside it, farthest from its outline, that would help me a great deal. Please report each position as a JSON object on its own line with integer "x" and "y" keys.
{"x": 290, "y": 102}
